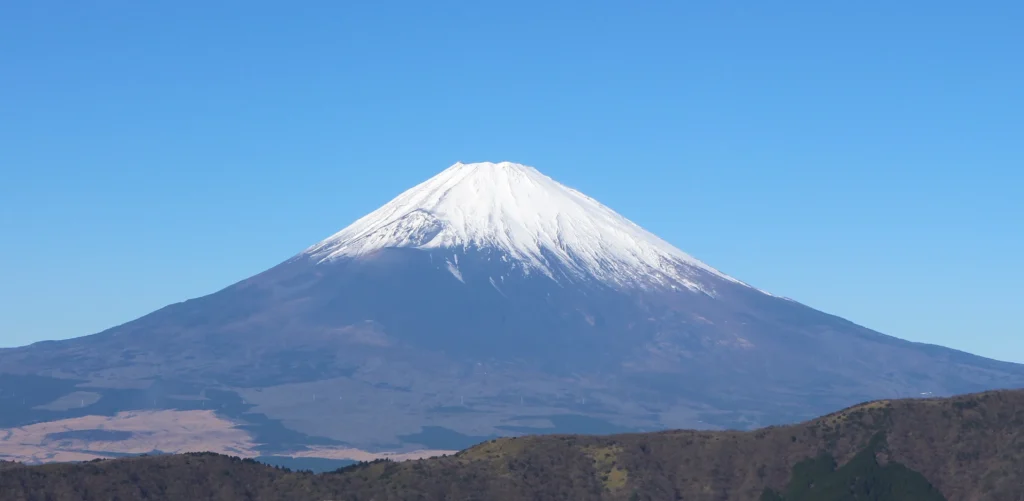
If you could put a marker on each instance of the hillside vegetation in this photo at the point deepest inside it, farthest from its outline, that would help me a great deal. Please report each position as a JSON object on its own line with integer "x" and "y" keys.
{"x": 960, "y": 449}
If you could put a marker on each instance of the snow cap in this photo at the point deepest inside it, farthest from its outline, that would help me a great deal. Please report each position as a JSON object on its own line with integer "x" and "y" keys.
{"x": 533, "y": 219}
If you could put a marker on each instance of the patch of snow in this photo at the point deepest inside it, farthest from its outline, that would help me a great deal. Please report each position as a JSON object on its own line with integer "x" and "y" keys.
{"x": 527, "y": 216}
{"x": 495, "y": 285}
{"x": 454, "y": 270}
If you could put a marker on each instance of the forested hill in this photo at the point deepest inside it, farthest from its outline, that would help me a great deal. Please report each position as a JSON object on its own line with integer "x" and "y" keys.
{"x": 963, "y": 448}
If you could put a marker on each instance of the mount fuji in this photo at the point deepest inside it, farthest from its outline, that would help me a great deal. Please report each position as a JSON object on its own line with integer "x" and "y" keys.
{"x": 488, "y": 300}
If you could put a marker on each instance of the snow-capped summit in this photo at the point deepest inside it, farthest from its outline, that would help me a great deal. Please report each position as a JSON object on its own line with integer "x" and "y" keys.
{"x": 496, "y": 289}
{"x": 534, "y": 220}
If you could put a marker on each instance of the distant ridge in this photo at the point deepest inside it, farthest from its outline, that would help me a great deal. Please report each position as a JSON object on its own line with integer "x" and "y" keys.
{"x": 967, "y": 447}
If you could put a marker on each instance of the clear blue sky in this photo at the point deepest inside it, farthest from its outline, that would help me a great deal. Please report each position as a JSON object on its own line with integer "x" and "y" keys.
{"x": 861, "y": 157}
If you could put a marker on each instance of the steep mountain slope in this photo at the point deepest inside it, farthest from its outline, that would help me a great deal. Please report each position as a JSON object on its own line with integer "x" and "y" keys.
{"x": 527, "y": 220}
{"x": 965, "y": 448}
{"x": 489, "y": 300}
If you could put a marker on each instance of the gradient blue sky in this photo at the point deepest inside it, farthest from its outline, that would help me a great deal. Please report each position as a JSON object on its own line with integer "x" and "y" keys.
{"x": 861, "y": 157}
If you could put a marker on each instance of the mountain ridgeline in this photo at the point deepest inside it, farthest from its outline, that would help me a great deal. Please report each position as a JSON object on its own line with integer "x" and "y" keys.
{"x": 964, "y": 448}
{"x": 487, "y": 301}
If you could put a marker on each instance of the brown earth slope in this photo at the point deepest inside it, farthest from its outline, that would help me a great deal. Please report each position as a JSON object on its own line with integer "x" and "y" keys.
{"x": 969, "y": 448}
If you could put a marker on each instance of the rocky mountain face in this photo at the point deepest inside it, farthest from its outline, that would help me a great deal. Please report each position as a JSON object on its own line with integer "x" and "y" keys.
{"x": 487, "y": 301}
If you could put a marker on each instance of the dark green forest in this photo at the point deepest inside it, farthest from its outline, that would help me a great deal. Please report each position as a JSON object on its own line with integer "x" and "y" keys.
{"x": 969, "y": 447}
